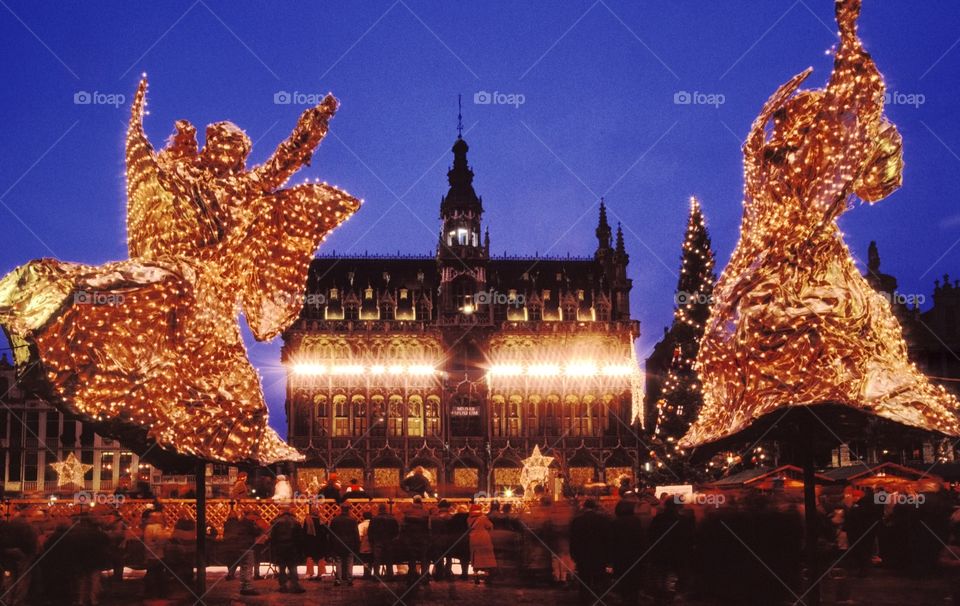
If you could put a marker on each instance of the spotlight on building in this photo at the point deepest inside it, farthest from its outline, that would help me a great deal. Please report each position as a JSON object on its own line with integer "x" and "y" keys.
{"x": 309, "y": 369}
{"x": 347, "y": 369}
{"x": 506, "y": 370}
{"x": 581, "y": 369}
{"x": 420, "y": 370}
{"x": 543, "y": 370}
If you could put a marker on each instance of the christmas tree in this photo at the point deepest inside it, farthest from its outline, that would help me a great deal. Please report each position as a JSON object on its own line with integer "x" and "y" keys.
{"x": 680, "y": 400}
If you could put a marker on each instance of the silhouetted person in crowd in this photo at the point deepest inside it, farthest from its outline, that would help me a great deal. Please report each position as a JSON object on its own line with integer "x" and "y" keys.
{"x": 331, "y": 490}
{"x": 355, "y": 491}
{"x": 590, "y": 549}
{"x": 19, "y": 544}
{"x": 383, "y": 533}
{"x": 286, "y": 548}
{"x": 482, "y": 555}
{"x": 345, "y": 544}
{"x": 627, "y": 547}
{"x": 415, "y": 536}
{"x": 863, "y": 524}
{"x": 417, "y": 483}
{"x": 671, "y": 535}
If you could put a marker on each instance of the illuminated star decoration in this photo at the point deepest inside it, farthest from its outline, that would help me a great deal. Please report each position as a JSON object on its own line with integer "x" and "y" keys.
{"x": 536, "y": 471}
{"x": 70, "y": 471}
{"x": 793, "y": 322}
{"x": 149, "y": 349}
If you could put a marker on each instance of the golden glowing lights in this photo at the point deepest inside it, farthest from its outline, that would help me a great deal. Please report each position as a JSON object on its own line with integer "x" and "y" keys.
{"x": 70, "y": 471}
{"x": 574, "y": 369}
{"x": 151, "y": 346}
{"x": 793, "y": 322}
{"x": 312, "y": 369}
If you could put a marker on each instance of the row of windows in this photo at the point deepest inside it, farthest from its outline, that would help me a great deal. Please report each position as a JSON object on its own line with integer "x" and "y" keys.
{"x": 381, "y": 416}
{"x": 33, "y": 426}
{"x": 393, "y": 416}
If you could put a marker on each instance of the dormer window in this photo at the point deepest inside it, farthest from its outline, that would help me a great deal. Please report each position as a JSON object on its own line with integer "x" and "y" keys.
{"x": 368, "y": 293}
{"x": 334, "y": 294}
{"x": 403, "y": 294}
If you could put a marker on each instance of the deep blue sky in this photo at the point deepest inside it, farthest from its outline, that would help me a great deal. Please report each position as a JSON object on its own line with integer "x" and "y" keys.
{"x": 598, "y": 81}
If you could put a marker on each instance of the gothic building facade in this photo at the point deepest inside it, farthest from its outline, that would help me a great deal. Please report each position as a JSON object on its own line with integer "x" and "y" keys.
{"x": 461, "y": 362}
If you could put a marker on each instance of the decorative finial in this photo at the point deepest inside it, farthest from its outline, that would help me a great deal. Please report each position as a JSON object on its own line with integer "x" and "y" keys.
{"x": 459, "y": 116}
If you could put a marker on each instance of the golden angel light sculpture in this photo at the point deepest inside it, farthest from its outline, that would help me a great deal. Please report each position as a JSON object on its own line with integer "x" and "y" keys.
{"x": 793, "y": 322}
{"x": 70, "y": 471}
{"x": 535, "y": 472}
{"x": 151, "y": 346}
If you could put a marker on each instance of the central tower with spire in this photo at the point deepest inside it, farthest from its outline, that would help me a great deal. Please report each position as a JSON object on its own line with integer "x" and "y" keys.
{"x": 462, "y": 252}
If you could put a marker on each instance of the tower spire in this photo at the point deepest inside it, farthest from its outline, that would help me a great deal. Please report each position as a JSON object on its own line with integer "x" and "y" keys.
{"x": 603, "y": 228}
{"x": 459, "y": 116}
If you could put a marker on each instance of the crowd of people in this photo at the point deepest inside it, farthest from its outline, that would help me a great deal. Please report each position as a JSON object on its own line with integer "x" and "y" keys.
{"x": 640, "y": 546}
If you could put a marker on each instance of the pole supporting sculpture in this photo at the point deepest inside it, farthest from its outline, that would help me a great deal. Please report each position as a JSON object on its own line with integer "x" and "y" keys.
{"x": 149, "y": 349}
{"x": 793, "y": 322}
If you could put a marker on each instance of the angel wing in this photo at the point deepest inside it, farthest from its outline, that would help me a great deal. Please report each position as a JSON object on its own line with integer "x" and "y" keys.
{"x": 274, "y": 257}
{"x": 166, "y": 215}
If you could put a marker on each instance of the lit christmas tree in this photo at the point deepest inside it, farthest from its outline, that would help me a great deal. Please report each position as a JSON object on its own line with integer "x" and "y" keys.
{"x": 681, "y": 397}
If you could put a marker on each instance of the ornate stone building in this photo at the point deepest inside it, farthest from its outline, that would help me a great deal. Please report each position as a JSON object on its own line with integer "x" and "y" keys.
{"x": 461, "y": 362}
{"x": 34, "y": 434}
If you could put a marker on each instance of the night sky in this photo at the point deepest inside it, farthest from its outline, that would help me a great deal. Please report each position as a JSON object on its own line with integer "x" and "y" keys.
{"x": 586, "y": 106}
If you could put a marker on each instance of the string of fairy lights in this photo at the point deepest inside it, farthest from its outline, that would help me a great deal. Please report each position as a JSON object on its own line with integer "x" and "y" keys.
{"x": 793, "y": 322}
{"x": 152, "y": 344}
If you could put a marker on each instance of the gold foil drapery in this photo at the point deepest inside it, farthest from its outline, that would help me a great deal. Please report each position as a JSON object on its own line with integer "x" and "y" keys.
{"x": 151, "y": 346}
{"x": 793, "y": 322}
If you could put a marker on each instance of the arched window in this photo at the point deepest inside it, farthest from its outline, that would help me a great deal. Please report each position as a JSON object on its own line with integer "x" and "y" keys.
{"x": 571, "y": 420}
{"x": 588, "y": 420}
{"x": 301, "y": 415}
{"x": 423, "y": 309}
{"x": 513, "y": 415}
{"x": 341, "y": 416}
{"x": 433, "y": 415}
{"x": 603, "y": 312}
{"x": 464, "y": 288}
{"x": 378, "y": 415}
{"x": 551, "y": 415}
{"x": 321, "y": 427}
{"x": 359, "y": 410}
{"x": 415, "y": 416}
{"x": 498, "y": 414}
{"x": 534, "y": 312}
{"x": 395, "y": 416}
{"x": 533, "y": 416}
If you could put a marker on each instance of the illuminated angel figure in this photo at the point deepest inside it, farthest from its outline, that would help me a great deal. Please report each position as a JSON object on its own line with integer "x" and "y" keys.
{"x": 151, "y": 347}
{"x": 793, "y": 322}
